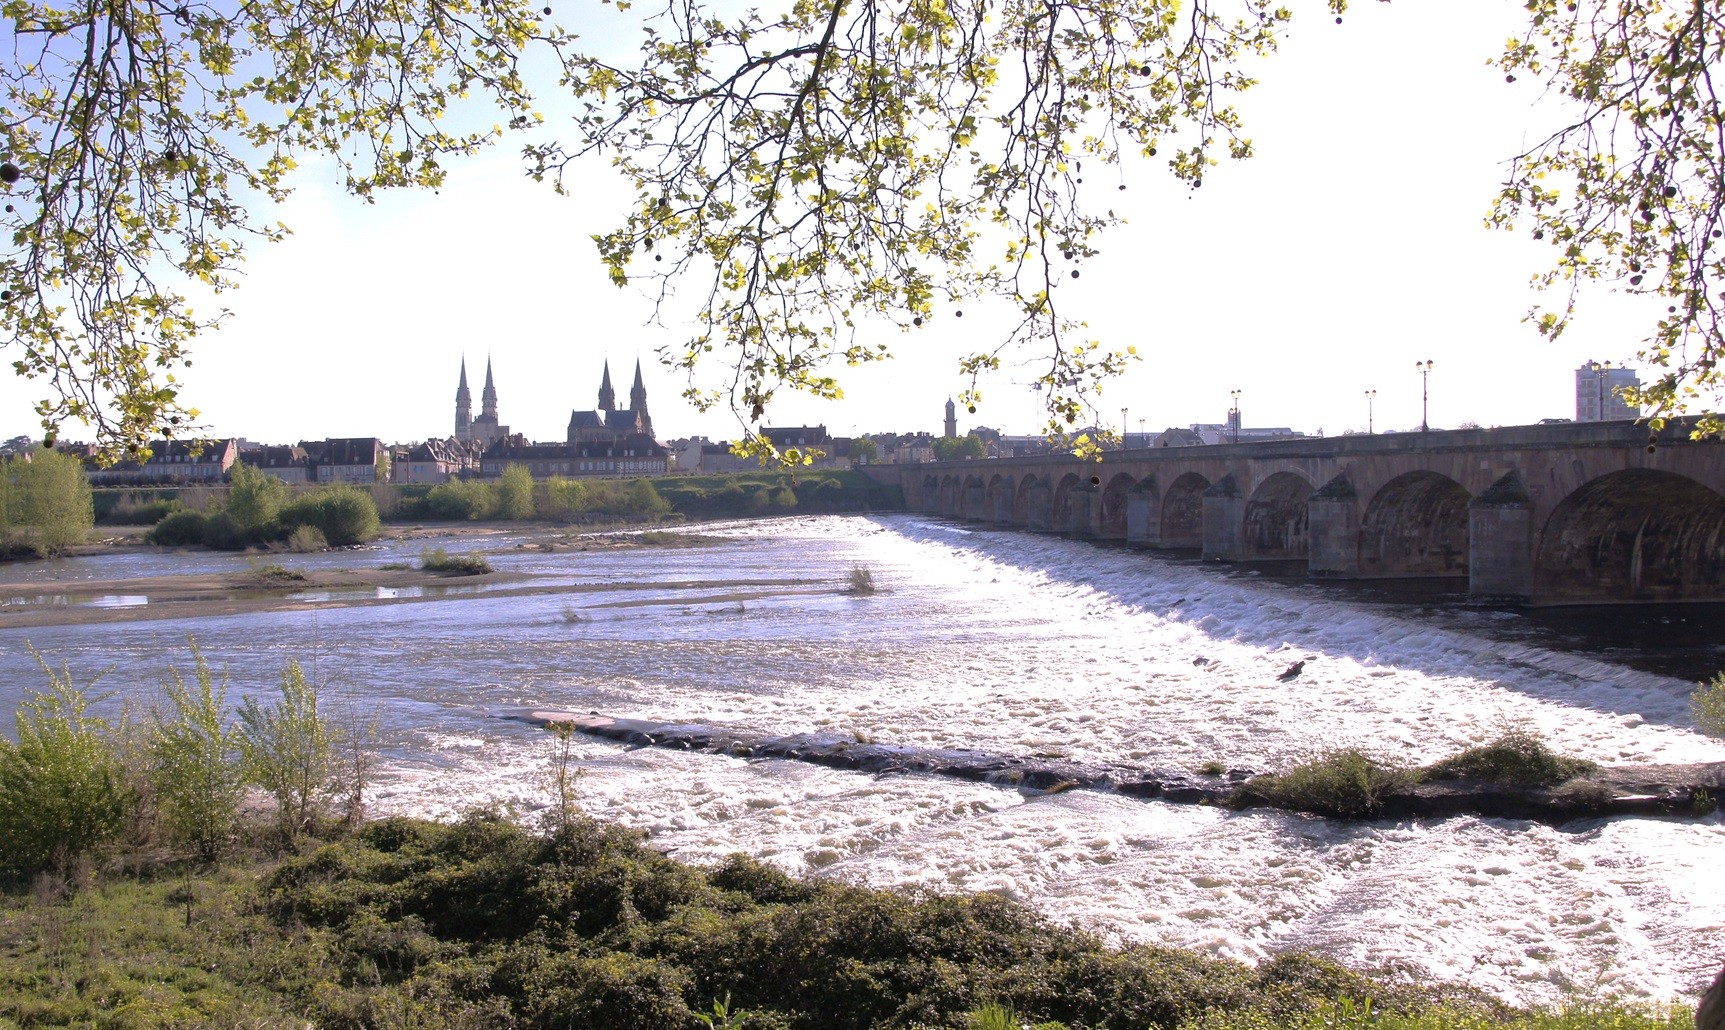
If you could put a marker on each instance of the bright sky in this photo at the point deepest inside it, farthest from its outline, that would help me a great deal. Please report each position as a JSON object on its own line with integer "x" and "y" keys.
{"x": 1351, "y": 247}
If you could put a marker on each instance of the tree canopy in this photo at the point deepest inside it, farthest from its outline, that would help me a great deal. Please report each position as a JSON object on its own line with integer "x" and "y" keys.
{"x": 813, "y": 168}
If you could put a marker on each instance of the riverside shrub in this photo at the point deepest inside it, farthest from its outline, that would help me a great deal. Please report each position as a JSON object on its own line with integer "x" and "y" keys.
{"x": 194, "y": 762}
{"x": 290, "y": 750}
{"x": 63, "y": 792}
{"x": 178, "y": 529}
{"x": 344, "y": 515}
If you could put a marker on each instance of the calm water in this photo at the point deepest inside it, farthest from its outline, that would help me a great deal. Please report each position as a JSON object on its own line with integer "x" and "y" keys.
{"x": 1028, "y": 645}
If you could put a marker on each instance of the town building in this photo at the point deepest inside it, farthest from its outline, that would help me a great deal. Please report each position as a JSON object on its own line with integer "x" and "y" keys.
{"x": 1597, "y": 392}
{"x": 170, "y": 461}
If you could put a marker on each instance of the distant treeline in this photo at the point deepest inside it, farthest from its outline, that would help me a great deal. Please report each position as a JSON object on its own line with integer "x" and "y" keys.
{"x": 251, "y": 511}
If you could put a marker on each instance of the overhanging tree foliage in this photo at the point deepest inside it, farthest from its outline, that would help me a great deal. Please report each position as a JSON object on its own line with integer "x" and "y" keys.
{"x": 819, "y": 172}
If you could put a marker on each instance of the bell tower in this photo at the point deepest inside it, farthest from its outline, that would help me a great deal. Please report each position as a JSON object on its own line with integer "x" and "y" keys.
{"x": 463, "y": 405}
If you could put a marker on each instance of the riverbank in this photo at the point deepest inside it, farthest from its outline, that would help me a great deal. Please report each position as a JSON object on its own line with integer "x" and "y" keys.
{"x": 479, "y": 923}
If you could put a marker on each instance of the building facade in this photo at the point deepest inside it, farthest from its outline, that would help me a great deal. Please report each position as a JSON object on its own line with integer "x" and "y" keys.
{"x": 1596, "y": 392}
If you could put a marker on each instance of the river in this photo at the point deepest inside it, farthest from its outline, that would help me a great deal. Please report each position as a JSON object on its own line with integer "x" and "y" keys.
{"x": 1021, "y": 644}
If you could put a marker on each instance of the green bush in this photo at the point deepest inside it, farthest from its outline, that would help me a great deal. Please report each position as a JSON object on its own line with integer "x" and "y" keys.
{"x": 1707, "y": 706}
{"x": 255, "y": 500}
{"x": 139, "y": 510}
{"x": 1518, "y": 757}
{"x": 306, "y": 539}
{"x": 1345, "y": 782}
{"x": 62, "y": 786}
{"x": 178, "y": 529}
{"x": 515, "y": 493}
{"x": 45, "y": 504}
{"x": 345, "y": 515}
{"x": 194, "y": 762}
{"x": 436, "y": 559}
{"x": 221, "y": 533}
{"x": 289, "y": 749}
{"x": 460, "y": 499}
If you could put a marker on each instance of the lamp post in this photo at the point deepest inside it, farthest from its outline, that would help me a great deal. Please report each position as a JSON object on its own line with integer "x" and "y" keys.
{"x": 1600, "y": 371}
{"x": 1234, "y": 413}
{"x": 1425, "y": 369}
{"x": 1371, "y": 395}
{"x": 1125, "y": 429}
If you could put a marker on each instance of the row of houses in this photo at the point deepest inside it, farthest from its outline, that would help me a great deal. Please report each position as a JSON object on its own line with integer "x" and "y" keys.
{"x": 367, "y": 460}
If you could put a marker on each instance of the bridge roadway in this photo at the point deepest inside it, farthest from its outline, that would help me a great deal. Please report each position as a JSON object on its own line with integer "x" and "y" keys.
{"x": 1573, "y": 513}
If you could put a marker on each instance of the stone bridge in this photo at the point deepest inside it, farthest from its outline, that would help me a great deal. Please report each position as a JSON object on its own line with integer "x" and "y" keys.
{"x": 1571, "y": 513}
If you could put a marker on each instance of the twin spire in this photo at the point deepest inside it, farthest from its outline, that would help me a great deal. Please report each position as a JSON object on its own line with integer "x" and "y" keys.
{"x": 488, "y": 399}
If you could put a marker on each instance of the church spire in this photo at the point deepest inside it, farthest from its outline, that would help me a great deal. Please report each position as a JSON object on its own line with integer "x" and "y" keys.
{"x": 488, "y": 399}
{"x": 463, "y": 404}
{"x": 607, "y": 396}
{"x": 638, "y": 403}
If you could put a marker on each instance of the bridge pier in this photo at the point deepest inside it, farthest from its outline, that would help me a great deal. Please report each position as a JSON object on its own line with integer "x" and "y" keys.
{"x": 1333, "y": 530}
{"x": 1080, "y": 511}
{"x": 1500, "y": 549}
{"x": 1224, "y": 521}
{"x": 1039, "y": 507}
{"x": 975, "y": 501}
{"x": 1144, "y": 515}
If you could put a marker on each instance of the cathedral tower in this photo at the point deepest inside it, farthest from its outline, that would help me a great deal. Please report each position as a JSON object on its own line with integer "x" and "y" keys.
{"x": 607, "y": 396}
{"x": 488, "y": 399}
{"x": 463, "y": 405}
{"x": 951, "y": 420}
{"x": 638, "y": 402}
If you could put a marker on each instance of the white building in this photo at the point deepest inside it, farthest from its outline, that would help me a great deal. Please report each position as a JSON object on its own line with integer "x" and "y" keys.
{"x": 1596, "y": 392}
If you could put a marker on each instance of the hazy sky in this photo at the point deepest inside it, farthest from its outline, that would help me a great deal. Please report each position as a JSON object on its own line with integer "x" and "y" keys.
{"x": 1351, "y": 247}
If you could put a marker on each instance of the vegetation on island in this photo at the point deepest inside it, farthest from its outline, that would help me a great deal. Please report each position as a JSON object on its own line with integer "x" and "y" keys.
{"x": 436, "y": 559}
{"x": 258, "y": 509}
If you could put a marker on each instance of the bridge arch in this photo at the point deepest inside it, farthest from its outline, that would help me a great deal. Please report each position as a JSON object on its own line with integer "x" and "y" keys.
{"x": 949, "y": 496}
{"x": 1416, "y": 525}
{"x": 1276, "y": 517}
{"x": 1183, "y": 511}
{"x": 1635, "y": 534}
{"x": 931, "y": 493}
{"x": 1111, "y": 515}
{"x": 1021, "y": 499}
{"x": 1064, "y": 515}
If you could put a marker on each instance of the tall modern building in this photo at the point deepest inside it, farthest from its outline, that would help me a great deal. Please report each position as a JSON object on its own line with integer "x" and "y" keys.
{"x": 1596, "y": 396}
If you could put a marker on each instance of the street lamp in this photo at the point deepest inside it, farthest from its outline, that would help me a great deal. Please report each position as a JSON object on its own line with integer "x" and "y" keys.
{"x": 1600, "y": 372}
{"x": 1425, "y": 369}
{"x": 1234, "y": 413}
{"x": 1371, "y": 395}
{"x": 1125, "y": 429}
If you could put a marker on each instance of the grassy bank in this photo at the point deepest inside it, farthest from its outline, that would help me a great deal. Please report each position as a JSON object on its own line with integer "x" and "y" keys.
{"x": 483, "y": 924}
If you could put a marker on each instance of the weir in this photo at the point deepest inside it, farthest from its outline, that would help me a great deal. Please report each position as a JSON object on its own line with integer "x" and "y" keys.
{"x": 1580, "y": 513}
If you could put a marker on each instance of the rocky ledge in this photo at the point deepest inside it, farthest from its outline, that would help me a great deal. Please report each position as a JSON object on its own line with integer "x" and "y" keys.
{"x": 1635, "y": 790}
